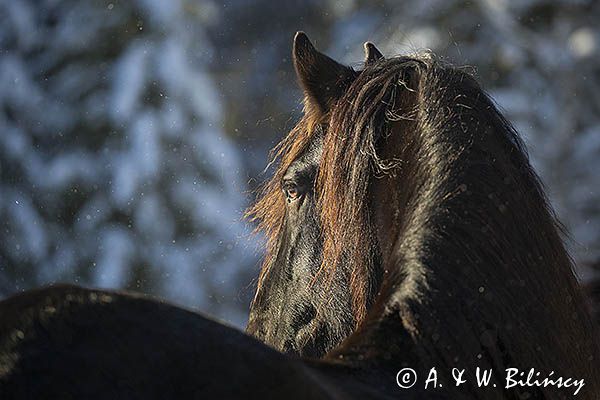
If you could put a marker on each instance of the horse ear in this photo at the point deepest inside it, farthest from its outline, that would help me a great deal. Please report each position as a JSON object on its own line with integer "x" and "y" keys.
{"x": 371, "y": 54}
{"x": 322, "y": 79}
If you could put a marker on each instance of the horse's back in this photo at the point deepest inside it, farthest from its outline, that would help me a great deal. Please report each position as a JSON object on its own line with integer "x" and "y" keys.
{"x": 71, "y": 342}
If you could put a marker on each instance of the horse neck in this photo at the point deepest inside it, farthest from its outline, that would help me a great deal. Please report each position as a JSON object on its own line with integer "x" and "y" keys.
{"x": 471, "y": 250}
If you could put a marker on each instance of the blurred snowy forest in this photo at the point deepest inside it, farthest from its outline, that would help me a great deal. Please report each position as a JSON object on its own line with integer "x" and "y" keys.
{"x": 132, "y": 133}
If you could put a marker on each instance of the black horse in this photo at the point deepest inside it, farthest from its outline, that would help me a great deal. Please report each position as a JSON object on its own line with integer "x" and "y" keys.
{"x": 406, "y": 212}
{"x": 432, "y": 223}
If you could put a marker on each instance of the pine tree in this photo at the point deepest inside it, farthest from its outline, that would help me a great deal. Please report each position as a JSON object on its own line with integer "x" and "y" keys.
{"x": 115, "y": 170}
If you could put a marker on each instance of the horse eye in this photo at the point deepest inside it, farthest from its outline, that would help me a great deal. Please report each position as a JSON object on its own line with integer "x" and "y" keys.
{"x": 291, "y": 191}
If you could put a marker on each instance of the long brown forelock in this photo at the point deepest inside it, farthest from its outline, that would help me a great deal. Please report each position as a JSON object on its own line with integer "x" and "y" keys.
{"x": 269, "y": 209}
{"x": 349, "y": 159}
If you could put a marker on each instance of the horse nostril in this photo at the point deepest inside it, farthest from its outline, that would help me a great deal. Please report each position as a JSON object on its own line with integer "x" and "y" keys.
{"x": 303, "y": 315}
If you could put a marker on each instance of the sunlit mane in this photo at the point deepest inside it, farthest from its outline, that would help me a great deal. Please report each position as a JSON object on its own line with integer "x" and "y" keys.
{"x": 349, "y": 159}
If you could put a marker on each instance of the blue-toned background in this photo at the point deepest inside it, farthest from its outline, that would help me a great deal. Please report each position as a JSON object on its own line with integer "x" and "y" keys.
{"x": 133, "y": 133}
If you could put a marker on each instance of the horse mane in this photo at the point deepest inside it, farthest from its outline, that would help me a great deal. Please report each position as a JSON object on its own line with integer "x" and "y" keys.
{"x": 365, "y": 115}
{"x": 348, "y": 161}
{"x": 476, "y": 263}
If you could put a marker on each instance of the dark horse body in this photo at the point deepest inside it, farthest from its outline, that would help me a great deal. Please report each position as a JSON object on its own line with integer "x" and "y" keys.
{"x": 406, "y": 228}
{"x": 67, "y": 342}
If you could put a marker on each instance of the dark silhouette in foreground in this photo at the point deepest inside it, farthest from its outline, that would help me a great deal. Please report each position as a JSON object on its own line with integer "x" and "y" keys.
{"x": 67, "y": 342}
